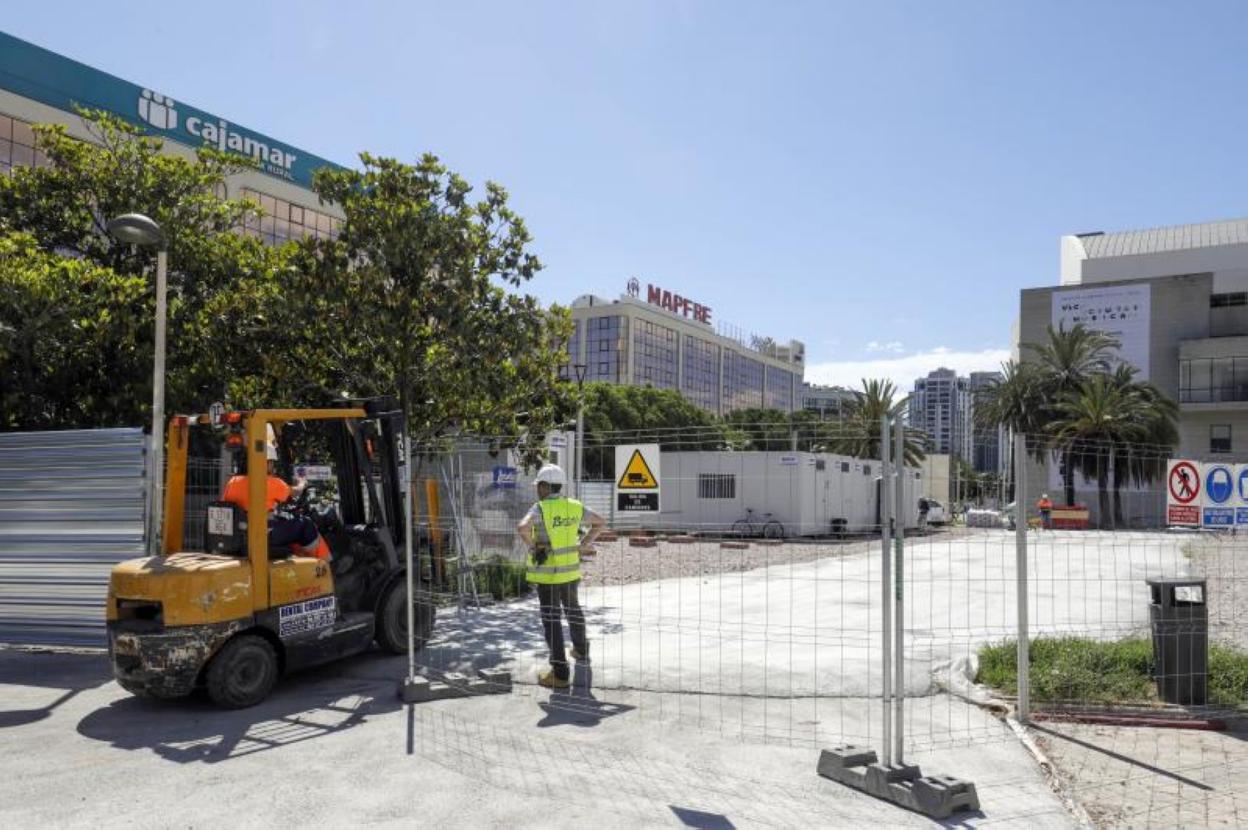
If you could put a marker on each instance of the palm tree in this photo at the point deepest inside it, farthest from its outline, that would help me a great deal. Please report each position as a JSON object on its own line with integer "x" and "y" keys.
{"x": 859, "y": 435}
{"x": 1093, "y": 424}
{"x": 1144, "y": 463}
{"x": 1064, "y": 362}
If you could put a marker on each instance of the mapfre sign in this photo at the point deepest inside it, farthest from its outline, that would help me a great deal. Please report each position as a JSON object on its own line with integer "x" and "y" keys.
{"x": 675, "y": 303}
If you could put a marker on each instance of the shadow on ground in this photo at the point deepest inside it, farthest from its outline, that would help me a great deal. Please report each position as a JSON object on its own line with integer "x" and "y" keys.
{"x": 70, "y": 672}
{"x": 305, "y": 706}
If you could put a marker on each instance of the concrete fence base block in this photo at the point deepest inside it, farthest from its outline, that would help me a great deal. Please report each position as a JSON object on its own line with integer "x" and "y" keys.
{"x": 455, "y": 684}
{"x": 681, "y": 540}
{"x": 735, "y": 545}
{"x": 771, "y": 543}
{"x": 642, "y": 542}
{"x": 935, "y": 796}
{"x": 607, "y": 536}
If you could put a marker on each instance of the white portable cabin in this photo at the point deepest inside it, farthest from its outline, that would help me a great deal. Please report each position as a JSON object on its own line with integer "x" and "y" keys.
{"x": 810, "y": 494}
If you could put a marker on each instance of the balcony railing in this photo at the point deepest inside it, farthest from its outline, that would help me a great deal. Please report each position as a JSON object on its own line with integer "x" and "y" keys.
{"x": 1215, "y": 394}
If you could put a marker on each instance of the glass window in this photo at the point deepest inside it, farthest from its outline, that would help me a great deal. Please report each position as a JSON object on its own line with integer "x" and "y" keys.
{"x": 22, "y": 133}
{"x": 1201, "y": 376}
{"x": 717, "y": 486}
{"x": 1219, "y": 438}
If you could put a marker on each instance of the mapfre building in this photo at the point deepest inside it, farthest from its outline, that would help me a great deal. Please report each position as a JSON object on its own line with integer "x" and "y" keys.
{"x": 652, "y": 336}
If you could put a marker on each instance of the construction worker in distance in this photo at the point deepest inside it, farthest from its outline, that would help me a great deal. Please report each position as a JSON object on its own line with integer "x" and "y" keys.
{"x": 284, "y": 531}
{"x": 1045, "y": 506}
{"x": 551, "y": 531}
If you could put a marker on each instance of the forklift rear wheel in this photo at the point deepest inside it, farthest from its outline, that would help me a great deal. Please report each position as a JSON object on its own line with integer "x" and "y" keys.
{"x": 243, "y": 672}
{"x": 392, "y": 619}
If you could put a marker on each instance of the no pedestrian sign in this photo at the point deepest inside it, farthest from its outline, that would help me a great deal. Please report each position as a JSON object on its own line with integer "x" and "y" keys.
{"x": 1183, "y": 486}
{"x": 637, "y": 478}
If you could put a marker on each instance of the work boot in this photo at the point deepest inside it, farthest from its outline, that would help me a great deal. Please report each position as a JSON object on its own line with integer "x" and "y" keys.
{"x": 580, "y": 656}
{"x": 550, "y": 681}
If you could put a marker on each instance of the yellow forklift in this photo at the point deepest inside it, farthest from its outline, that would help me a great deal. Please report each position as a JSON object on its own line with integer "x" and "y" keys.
{"x": 235, "y": 614}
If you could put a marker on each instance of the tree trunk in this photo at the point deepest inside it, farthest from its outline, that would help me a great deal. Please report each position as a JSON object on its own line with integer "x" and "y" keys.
{"x": 1118, "y": 519}
{"x": 1068, "y": 477}
{"x": 1102, "y": 492}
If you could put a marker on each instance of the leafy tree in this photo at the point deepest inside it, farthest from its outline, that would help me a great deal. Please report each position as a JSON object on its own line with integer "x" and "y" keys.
{"x": 217, "y": 276}
{"x": 859, "y": 435}
{"x": 411, "y": 298}
{"x": 70, "y": 339}
{"x": 625, "y": 414}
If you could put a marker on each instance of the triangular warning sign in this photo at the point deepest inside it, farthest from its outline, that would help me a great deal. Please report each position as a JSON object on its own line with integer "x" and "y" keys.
{"x": 637, "y": 475}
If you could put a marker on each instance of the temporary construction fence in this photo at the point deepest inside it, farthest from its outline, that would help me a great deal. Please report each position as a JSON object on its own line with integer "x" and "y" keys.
{"x": 788, "y": 639}
{"x": 71, "y": 506}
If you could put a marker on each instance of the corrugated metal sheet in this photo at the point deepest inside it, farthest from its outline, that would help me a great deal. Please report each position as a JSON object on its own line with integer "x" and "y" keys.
{"x": 1162, "y": 240}
{"x": 71, "y": 506}
{"x": 598, "y": 497}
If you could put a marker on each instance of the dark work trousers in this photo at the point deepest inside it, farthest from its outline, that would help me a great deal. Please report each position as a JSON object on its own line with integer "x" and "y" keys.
{"x": 554, "y": 600}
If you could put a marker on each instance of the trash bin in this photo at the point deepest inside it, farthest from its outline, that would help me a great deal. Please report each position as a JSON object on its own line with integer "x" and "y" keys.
{"x": 1179, "y": 615}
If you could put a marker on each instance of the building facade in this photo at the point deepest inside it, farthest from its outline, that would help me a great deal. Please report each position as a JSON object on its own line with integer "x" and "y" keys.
{"x": 671, "y": 344}
{"x": 830, "y": 403}
{"x": 1176, "y": 299}
{"x": 940, "y": 406}
{"x": 41, "y": 87}
{"x": 986, "y": 442}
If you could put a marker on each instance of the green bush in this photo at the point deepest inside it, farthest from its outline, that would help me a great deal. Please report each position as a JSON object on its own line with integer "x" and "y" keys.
{"x": 501, "y": 578}
{"x": 1077, "y": 668}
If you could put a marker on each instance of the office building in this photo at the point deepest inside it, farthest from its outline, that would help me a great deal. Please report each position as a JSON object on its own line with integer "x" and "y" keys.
{"x": 671, "y": 342}
{"x": 830, "y": 403}
{"x": 940, "y": 406}
{"x": 41, "y": 87}
{"x": 986, "y": 442}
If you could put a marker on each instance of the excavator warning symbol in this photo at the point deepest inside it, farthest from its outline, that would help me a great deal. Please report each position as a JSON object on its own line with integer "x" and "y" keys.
{"x": 637, "y": 475}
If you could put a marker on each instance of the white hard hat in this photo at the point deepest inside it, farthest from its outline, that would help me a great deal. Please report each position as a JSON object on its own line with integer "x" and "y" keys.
{"x": 551, "y": 474}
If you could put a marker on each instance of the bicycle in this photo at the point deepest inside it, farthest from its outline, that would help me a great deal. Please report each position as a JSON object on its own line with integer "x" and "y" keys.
{"x": 749, "y": 528}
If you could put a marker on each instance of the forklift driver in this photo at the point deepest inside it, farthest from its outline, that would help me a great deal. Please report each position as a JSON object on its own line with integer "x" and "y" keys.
{"x": 284, "y": 531}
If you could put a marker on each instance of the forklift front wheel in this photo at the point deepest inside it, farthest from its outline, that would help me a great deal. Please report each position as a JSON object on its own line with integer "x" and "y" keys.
{"x": 243, "y": 672}
{"x": 392, "y": 616}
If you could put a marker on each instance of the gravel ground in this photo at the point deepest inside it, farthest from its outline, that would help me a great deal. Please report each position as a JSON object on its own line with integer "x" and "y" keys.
{"x": 618, "y": 563}
{"x": 1223, "y": 561}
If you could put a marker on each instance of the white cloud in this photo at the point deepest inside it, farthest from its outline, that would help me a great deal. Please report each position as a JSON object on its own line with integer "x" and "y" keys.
{"x": 893, "y": 346}
{"x": 905, "y": 369}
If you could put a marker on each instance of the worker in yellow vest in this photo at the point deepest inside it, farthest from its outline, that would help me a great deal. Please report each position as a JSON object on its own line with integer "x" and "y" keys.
{"x": 551, "y": 530}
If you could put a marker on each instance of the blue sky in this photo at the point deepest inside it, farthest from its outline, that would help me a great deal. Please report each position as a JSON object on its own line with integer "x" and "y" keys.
{"x": 878, "y": 179}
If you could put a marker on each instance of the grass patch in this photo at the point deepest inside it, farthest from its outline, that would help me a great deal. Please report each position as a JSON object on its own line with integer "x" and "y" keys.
{"x": 1077, "y": 668}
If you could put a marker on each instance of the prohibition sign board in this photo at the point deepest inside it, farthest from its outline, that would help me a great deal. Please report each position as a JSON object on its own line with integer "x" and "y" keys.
{"x": 1183, "y": 493}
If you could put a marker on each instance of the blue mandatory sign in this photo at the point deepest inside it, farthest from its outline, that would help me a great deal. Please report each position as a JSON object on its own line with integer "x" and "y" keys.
{"x": 1218, "y": 484}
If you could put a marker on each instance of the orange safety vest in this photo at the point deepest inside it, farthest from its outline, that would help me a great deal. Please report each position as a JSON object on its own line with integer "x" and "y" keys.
{"x": 1044, "y": 504}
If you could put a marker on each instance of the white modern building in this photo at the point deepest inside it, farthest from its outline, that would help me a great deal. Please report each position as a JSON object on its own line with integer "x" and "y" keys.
{"x": 1176, "y": 298}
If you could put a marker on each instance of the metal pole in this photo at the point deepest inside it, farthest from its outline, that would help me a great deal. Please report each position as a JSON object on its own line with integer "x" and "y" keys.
{"x": 902, "y": 512}
{"x": 408, "y": 532}
{"x": 1020, "y": 539}
{"x": 156, "y": 484}
{"x": 580, "y": 448}
{"x": 885, "y": 593}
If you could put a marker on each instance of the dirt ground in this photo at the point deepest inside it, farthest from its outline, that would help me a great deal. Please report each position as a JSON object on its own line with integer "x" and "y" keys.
{"x": 618, "y": 563}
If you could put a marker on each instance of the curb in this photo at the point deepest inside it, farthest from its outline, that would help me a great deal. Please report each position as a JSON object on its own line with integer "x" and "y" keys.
{"x": 1050, "y": 772}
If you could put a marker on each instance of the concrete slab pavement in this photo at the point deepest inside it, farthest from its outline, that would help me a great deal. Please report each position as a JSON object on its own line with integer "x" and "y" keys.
{"x": 333, "y": 747}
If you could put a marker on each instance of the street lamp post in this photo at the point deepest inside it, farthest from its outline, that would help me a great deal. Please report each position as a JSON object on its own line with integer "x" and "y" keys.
{"x": 580, "y": 369}
{"x": 137, "y": 229}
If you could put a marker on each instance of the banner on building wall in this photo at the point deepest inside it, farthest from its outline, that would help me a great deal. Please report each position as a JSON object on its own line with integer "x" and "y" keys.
{"x": 1121, "y": 311}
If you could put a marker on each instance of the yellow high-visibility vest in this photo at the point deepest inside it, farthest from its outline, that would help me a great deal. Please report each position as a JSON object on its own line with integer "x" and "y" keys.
{"x": 562, "y": 520}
